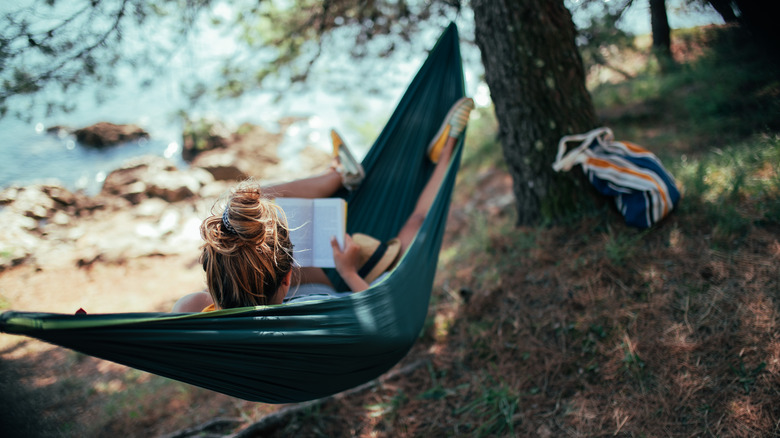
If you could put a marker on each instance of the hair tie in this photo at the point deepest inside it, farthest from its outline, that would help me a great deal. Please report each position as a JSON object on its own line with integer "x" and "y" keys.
{"x": 226, "y": 223}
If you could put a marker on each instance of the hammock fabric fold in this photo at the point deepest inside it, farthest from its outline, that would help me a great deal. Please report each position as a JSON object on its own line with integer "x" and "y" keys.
{"x": 298, "y": 352}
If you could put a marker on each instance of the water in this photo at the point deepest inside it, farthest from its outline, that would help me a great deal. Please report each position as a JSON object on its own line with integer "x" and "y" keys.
{"x": 28, "y": 154}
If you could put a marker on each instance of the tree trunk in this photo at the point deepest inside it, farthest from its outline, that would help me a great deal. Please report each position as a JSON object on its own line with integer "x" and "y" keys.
{"x": 537, "y": 83}
{"x": 760, "y": 18}
{"x": 662, "y": 40}
{"x": 724, "y": 9}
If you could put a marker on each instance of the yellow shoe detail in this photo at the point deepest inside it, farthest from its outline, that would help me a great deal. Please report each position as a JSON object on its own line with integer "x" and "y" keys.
{"x": 454, "y": 123}
{"x": 337, "y": 142}
{"x": 436, "y": 147}
{"x": 350, "y": 169}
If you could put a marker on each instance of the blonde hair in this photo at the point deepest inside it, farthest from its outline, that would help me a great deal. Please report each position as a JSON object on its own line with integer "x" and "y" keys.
{"x": 246, "y": 255}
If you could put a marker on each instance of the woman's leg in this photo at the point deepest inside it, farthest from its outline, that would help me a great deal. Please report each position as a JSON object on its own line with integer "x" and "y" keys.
{"x": 319, "y": 186}
{"x": 346, "y": 172}
{"x": 310, "y": 275}
{"x": 424, "y": 202}
{"x": 454, "y": 124}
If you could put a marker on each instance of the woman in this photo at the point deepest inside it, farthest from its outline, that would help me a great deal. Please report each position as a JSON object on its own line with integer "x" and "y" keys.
{"x": 247, "y": 254}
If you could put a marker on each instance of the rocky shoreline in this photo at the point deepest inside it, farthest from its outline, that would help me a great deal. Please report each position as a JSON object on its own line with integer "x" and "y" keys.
{"x": 148, "y": 207}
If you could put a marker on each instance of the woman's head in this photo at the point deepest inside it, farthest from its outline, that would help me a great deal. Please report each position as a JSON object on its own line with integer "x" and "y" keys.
{"x": 247, "y": 254}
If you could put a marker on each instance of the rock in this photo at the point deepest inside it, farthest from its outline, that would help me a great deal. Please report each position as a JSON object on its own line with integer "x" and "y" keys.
{"x": 252, "y": 153}
{"x": 222, "y": 165}
{"x": 86, "y": 256}
{"x": 154, "y": 177}
{"x": 129, "y": 181}
{"x": 204, "y": 135}
{"x": 179, "y": 185}
{"x": 106, "y": 134}
{"x": 19, "y": 222}
{"x": 33, "y": 202}
{"x": 149, "y": 208}
{"x": 172, "y": 187}
{"x": 60, "y": 195}
{"x": 134, "y": 192}
{"x": 9, "y": 195}
{"x": 11, "y": 255}
{"x": 215, "y": 190}
{"x": 17, "y": 238}
{"x": 60, "y": 218}
{"x": 58, "y": 131}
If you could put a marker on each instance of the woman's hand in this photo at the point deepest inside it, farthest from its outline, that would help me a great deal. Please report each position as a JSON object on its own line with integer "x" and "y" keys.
{"x": 347, "y": 262}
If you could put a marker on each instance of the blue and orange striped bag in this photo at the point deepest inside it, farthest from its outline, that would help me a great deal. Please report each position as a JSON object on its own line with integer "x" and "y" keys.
{"x": 644, "y": 191}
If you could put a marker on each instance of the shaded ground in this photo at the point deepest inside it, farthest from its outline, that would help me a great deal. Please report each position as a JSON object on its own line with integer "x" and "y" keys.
{"x": 584, "y": 331}
{"x": 591, "y": 330}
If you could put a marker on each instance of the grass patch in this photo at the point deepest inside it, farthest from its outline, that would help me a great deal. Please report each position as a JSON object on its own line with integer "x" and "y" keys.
{"x": 492, "y": 412}
{"x": 747, "y": 376}
{"x": 621, "y": 247}
{"x": 704, "y": 107}
{"x": 734, "y": 188}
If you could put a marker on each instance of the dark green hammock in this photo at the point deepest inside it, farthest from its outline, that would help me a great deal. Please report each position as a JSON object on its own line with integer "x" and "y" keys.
{"x": 298, "y": 352}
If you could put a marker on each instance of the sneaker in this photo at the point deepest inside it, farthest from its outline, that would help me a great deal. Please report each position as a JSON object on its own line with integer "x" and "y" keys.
{"x": 350, "y": 169}
{"x": 454, "y": 124}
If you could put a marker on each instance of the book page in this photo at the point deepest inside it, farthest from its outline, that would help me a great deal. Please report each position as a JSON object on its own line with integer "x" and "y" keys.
{"x": 312, "y": 222}
{"x": 300, "y": 214}
{"x": 330, "y": 220}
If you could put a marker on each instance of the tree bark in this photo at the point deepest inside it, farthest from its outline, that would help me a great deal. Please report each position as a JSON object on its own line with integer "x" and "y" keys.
{"x": 724, "y": 9}
{"x": 662, "y": 40}
{"x": 760, "y": 18}
{"x": 537, "y": 83}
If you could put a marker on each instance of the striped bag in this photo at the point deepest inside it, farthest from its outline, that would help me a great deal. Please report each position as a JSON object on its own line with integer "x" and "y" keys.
{"x": 644, "y": 191}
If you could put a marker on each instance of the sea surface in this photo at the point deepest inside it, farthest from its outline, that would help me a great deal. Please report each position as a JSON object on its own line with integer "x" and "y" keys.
{"x": 30, "y": 152}
{"x": 35, "y": 151}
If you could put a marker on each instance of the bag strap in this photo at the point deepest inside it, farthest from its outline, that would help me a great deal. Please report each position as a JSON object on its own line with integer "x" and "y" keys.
{"x": 576, "y": 155}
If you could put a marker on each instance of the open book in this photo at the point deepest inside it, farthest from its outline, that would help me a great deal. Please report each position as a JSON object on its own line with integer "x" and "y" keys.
{"x": 312, "y": 223}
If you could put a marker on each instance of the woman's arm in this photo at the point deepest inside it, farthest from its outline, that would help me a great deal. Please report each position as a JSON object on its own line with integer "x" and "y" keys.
{"x": 347, "y": 261}
{"x": 194, "y": 302}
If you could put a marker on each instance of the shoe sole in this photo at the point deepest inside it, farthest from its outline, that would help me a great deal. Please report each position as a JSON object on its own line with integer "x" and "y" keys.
{"x": 353, "y": 173}
{"x": 456, "y": 106}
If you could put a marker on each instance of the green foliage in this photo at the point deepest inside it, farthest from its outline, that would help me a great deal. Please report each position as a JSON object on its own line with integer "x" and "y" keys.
{"x": 482, "y": 151}
{"x": 493, "y": 411}
{"x": 201, "y": 135}
{"x": 49, "y": 49}
{"x": 601, "y": 33}
{"x": 282, "y": 42}
{"x": 735, "y": 188}
{"x": 388, "y": 410}
{"x": 622, "y": 246}
{"x": 436, "y": 391}
{"x": 727, "y": 94}
{"x": 632, "y": 363}
{"x": 747, "y": 376}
